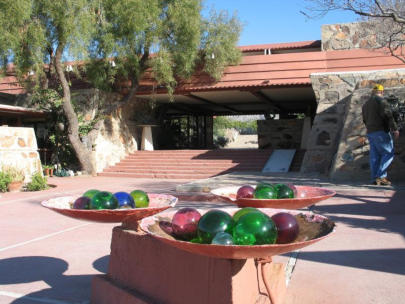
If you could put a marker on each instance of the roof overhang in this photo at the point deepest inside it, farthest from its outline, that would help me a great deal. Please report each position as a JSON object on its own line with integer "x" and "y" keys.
{"x": 21, "y": 111}
{"x": 239, "y": 101}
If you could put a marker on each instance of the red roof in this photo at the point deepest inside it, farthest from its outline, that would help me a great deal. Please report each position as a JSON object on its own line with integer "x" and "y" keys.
{"x": 284, "y": 46}
{"x": 289, "y": 69}
{"x": 10, "y": 85}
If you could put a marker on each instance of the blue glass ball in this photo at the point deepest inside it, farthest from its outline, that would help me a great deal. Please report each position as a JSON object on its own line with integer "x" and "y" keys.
{"x": 125, "y": 200}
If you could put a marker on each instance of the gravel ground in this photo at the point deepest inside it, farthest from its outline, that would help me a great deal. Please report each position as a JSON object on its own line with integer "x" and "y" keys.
{"x": 243, "y": 141}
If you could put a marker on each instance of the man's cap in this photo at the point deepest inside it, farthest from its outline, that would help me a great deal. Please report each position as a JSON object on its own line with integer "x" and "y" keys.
{"x": 378, "y": 87}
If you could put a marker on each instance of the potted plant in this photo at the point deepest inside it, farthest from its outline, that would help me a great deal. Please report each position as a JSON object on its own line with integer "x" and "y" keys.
{"x": 16, "y": 177}
{"x": 48, "y": 170}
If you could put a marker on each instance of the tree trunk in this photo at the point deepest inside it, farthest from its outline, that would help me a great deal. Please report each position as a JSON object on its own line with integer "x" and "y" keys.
{"x": 82, "y": 153}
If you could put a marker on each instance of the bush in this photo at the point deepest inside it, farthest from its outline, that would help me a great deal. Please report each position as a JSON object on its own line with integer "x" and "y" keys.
{"x": 5, "y": 179}
{"x": 220, "y": 142}
{"x": 243, "y": 127}
{"x": 37, "y": 183}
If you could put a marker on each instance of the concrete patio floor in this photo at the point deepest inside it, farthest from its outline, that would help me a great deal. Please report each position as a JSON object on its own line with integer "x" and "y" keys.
{"x": 46, "y": 257}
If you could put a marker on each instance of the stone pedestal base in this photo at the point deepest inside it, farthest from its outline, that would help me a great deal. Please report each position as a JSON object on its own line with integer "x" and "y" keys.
{"x": 145, "y": 270}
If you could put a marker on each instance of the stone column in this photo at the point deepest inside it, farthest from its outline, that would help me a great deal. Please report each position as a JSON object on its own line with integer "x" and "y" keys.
{"x": 337, "y": 145}
{"x": 332, "y": 90}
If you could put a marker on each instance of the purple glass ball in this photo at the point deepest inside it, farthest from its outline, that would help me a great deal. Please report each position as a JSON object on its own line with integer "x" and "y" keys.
{"x": 82, "y": 202}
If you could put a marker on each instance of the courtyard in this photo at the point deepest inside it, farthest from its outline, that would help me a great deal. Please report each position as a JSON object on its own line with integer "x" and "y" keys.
{"x": 49, "y": 258}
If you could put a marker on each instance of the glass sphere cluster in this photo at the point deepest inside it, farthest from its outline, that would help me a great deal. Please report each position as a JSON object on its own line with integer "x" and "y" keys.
{"x": 96, "y": 199}
{"x": 248, "y": 226}
{"x": 267, "y": 191}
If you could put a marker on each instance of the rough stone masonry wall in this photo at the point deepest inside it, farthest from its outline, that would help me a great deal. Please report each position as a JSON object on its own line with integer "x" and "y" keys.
{"x": 280, "y": 134}
{"x": 337, "y": 144}
{"x": 116, "y": 135}
{"x": 348, "y": 36}
{"x": 18, "y": 148}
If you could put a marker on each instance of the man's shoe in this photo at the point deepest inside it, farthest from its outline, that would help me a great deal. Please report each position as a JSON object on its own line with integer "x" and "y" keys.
{"x": 382, "y": 182}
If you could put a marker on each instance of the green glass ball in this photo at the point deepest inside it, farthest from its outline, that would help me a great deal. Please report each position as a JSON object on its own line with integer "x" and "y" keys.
{"x": 243, "y": 211}
{"x": 141, "y": 198}
{"x": 258, "y": 225}
{"x": 263, "y": 184}
{"x": 265, "y": 192}
{"x": 212, "y": 222}
{"x": 103, "y": 200}
{"x": 283, "y": 191}
{"x": 90, "y": 193}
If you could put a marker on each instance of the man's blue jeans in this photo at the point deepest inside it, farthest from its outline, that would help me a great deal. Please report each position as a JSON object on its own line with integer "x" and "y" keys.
{"x": 381, "y": 153}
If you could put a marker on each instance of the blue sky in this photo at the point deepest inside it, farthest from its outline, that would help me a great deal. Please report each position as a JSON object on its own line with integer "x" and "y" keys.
{"x": 273, "y": 21}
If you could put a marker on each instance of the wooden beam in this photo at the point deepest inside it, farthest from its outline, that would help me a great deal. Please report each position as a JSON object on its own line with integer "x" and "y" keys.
{"x": 233, "y": 110}
{"x": 189, "y": 109}
{"x": 265, "y": 99}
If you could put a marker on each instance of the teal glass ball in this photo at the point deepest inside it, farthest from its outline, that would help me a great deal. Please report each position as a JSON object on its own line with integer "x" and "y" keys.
{"x": 222, "y": 238}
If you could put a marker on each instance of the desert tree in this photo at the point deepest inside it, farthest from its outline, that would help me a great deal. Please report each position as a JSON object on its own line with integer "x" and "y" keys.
{"x": 37, "y": 37}
{"x": 171, "y": 38}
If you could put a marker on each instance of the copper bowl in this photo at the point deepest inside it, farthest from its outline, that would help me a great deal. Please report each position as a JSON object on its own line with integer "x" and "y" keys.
{"x": 157, "y": 203}
{"x": 313, "y": 228}
{"x": 305, "y": 196}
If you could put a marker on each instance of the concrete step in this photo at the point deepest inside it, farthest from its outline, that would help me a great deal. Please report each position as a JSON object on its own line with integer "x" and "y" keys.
{"x": 209, "y": 171}
{"x": 185, "y": 166}
{"x": 188, "y": 164}
{"x": 163, "y": 175}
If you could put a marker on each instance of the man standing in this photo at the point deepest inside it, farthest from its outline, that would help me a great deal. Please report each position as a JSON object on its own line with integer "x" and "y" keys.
{"x": 379, "y": 121}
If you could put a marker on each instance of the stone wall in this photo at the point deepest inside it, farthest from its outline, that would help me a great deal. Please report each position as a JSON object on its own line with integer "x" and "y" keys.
{"x": 337, "y": 145}
{"x": 18, "y": 148}
{"x": 348, "y": 36}
{"x": 280, "y": 134}
{"x": 117, "y": 133}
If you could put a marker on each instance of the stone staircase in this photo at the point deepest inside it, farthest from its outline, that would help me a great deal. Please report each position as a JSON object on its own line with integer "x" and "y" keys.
{"x": 188, "y": 164}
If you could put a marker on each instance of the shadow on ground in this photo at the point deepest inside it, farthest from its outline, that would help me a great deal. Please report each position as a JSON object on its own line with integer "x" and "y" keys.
{"x": 49, "y": 270}
{"x": 373, "y": 212}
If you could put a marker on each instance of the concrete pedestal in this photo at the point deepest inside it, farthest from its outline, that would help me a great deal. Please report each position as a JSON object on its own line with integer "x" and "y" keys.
{"x": 144, "y": 270}
{"x": 147, "y": 138}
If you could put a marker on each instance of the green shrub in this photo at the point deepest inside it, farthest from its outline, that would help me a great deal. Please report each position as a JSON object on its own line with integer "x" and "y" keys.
{"x": 243, "y": 127}
{"x": 37, "y": 183}
{"x": 220, "y": 142}
{"x": 5, "y": 179}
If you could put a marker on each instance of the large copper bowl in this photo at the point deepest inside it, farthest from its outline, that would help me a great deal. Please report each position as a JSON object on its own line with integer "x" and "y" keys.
{"x": 313, "y": 228}
{"x": 305, "y": 196}
{"x": 157, "y": 203}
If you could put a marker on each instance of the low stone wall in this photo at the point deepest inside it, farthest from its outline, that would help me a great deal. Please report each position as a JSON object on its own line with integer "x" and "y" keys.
{"x": 336, "y": 144}
{"x": 18, "y": 148}
{"x": 280, "y": 134}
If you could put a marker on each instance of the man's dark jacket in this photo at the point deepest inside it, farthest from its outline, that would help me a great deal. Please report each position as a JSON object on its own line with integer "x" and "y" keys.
{"x": 377, "y": 115}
